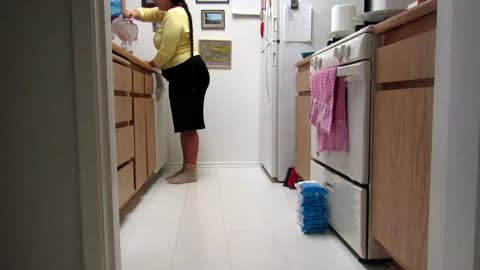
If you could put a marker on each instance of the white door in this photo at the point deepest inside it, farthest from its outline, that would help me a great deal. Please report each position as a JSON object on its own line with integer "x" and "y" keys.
{"x": 269, "y": 93}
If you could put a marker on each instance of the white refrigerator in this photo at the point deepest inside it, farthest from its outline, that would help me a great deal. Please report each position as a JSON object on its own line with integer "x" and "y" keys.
{"x": 278, "y": 79}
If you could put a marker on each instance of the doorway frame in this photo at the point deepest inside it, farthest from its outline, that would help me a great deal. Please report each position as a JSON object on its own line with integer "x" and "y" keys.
{"x": 95, "y": 134}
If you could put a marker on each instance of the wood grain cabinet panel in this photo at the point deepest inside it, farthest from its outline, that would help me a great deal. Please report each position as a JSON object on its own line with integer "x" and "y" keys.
{"x": 126, "y": 187}
{"x": 402, "y": 143}
{"x": 302, "y": 136}
{"x": 125, "y": 148}
{"x": 123, "y": 109}
{"x": 303, "y": 81}
{"x": 410, "y": 59}
{"x": 138, "y": 82}
{"x": 139, "y": 115}
{"x": 122, "y": 78}
{"x": 148, "y": 84}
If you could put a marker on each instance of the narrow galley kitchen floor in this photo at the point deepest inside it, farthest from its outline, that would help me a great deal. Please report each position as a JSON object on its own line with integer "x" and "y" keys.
{"x": 233, "y": 218}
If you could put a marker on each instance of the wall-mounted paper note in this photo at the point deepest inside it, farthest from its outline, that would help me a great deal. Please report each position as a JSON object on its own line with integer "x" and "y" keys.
{"x": 298, "y": 23}
{"x": 246, "y": 7}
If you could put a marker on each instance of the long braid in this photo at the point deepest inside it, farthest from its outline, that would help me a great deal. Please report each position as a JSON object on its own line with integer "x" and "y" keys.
{"x": 183, "y": 4}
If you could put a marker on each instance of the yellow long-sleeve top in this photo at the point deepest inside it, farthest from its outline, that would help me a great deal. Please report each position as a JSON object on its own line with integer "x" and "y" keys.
{"x": 172, "y": 40}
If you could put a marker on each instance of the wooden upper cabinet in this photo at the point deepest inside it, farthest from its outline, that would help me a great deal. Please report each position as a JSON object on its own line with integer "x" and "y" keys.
{"x": 139, "y": 116}
{"x": 407, "y": 60}
{"x": 401, "y": 174}
{"x": 148, "y": 84}
{"x": 122, "y": 77}
{"x": 138, "y": 82}
{"x": 151, "y": 138}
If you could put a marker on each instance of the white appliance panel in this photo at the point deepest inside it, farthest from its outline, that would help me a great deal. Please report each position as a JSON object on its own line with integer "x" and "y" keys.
{"x": 353, "y": 50}
{"x": 347, "y": 205}
{"x": 269, "y": 94}
{"x": 354, "y": 163}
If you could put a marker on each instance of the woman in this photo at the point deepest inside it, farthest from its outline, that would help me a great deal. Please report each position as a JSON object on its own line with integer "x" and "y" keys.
{"x": 186, "y": 73}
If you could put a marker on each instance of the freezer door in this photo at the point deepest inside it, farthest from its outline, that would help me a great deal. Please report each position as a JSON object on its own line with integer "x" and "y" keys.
{"x": 268, "y": 96}
{"x": 348, "y": 204}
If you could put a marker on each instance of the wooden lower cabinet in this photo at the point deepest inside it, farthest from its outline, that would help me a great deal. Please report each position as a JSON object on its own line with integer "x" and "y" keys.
{"x": 402, "y": 143}
{"x": 151, "y": 140}
{"x": 126, "y": 184}
{"x": 302, "y": 136}
{"x": 139, "y": 116}
{"x": 125, "y": 148}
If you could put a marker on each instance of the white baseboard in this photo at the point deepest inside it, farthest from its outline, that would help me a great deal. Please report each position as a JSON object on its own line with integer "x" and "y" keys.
{"x": 244, "y": 164}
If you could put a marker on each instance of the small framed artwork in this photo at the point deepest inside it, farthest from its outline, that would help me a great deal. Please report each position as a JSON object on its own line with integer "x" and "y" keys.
{"x": 213, "y": 19}
{"x": 216, "y": 53}
{"x": 213, "y": 1}
{"x": 149, "y": 3}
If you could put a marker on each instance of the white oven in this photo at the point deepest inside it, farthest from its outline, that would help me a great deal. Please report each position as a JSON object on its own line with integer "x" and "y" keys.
{"x": 346, "y": 174}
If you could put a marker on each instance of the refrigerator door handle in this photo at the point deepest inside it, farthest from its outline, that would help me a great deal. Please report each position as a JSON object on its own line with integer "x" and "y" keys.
{"x": 275, "y": 59}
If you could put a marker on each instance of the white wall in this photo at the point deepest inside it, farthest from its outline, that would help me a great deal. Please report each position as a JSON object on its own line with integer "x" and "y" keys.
{"x": 40, "y": 213}
{"x": 456, "y": 135}
{"x": 232, "y": 107}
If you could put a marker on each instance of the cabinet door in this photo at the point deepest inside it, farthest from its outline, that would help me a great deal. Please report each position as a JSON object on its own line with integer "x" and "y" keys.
{"x": 139, "y": 111}
{"x": 125, "y": 184}
{"x": 138, "y": 82}
{"x": 148, "y": 84}
{"x": 401, "y": 173}
{"x": 125, "y": 149}
{"x": 122, "y": 77}
{"x": 151, "y": 143}
{"x": 302, "y": 136}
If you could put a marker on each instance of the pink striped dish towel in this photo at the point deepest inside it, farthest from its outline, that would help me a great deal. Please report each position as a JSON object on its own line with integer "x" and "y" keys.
{"x": 328, "y": 111}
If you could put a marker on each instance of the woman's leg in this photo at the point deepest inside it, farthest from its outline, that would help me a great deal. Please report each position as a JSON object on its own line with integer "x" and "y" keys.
{"x": 190, "y": 142}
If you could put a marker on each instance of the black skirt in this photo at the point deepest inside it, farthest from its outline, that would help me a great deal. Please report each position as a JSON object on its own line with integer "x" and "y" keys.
{"x": 188, "y": 83}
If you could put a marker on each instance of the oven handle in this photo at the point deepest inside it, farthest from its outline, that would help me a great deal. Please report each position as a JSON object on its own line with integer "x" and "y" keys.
{"x": 360, "y": 71}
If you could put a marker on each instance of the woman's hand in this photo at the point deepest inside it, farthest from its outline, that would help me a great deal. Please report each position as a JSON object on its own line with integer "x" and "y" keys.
{"x": 152, "y": 64}
{"x": 135, "y": 14}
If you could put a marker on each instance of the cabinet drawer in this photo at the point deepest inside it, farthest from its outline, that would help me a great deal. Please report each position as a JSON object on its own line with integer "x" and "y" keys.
{"x": 125, "y": 146}
{"x": 303, "y": 81}
{"x": 126, "y": 184}
{"x": 148, "y": 84}
{"x": 406, "y": 60}
{"x": 302, "y": 136}
{"x": 122, "y": 78}
{"x": 123, "y": 109}
{"x": 138, "y": 82}
{"x": 140, "y": 119}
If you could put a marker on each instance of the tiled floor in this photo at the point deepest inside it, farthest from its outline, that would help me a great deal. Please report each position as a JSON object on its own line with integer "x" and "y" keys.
{"x": 232, "y": 218}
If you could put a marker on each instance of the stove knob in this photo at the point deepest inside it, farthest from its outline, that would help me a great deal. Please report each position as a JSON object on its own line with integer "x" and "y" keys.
{"x": 346, "y": 52}
{"x": 336, "y": 53}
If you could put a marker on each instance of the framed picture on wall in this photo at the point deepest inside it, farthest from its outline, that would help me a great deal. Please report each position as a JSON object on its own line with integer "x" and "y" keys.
{"x": 148, "y": 3}
{"x": 213, "y": 19}
{"x": 216, "y": 53}
{"x": 213, "y": 1}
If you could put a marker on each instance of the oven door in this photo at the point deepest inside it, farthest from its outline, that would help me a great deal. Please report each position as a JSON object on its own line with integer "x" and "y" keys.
{"x": 353, "y": 164}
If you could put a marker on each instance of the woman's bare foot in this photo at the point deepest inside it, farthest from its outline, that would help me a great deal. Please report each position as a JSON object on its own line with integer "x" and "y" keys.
{"x": 189, "y": 175}
{"x": 177, "y": 173}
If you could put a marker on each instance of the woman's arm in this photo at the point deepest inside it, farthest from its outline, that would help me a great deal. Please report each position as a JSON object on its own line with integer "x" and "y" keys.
{"x": 146, "y": 14}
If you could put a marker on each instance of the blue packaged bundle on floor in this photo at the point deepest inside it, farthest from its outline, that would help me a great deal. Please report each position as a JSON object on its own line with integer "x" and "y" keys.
{"x": 312, "y": 207}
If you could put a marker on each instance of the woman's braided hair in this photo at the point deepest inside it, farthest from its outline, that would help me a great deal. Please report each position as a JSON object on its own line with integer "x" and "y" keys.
{"x": 183, "y": 4}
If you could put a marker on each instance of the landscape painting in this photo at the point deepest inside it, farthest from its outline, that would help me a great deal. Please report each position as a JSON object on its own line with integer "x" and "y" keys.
{"x": 213, "y": 19}
{"x": 216, "y": 53}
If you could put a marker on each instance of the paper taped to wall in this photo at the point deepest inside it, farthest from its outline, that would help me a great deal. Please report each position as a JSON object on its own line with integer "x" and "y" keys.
{"x": 246, "y": 7}
{"x": 298, "y": 23}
